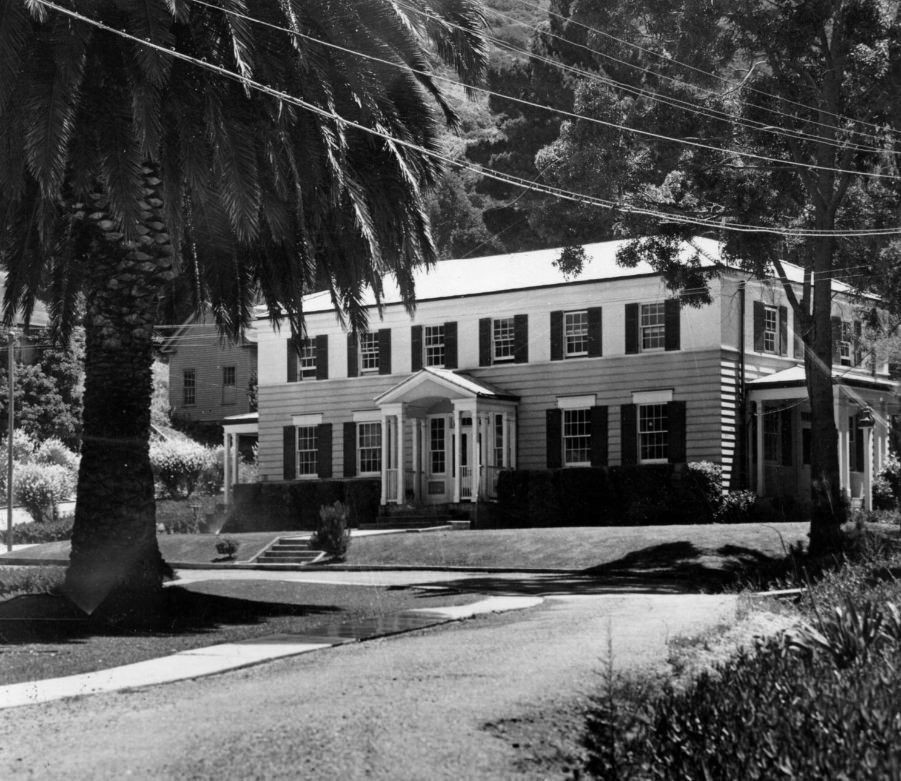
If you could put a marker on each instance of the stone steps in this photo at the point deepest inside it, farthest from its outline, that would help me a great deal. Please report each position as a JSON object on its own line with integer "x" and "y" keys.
{"x": 286, "y": 550}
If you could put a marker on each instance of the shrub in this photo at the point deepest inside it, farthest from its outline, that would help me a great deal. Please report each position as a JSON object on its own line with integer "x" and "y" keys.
{"x": 30, "y": 580}
{"x": 887, "y": 485}
{"x": 38, "y": 533}
{"x": 40, "y": 487}
{"x": 54, "y": 451}
{"x": 227, "y": 547}
{"x": 706, "y": 478}
{"x": 737, "y": 507}
{"x": 179, "y": 465}
{"x": 332, "y": 534}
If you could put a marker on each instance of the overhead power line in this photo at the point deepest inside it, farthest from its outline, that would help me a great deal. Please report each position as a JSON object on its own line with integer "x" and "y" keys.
{"x": 249, "y": 83}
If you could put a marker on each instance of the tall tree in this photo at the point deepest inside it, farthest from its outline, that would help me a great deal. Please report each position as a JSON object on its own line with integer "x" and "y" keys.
{"x": 798, "y": 110}
{"x": 127, "y": 158}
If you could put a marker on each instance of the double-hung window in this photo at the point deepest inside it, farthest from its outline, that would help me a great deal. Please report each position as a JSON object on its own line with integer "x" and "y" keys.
{"x": 772, "y": 438}
{"x": 307, "y": 453}
{"x": 770, "y": 329}
{"x": 306, "y": 362}
{"x": 846, "y": 344}
{"x": 369, "y": 353}
{"x": 576, "y": 437}
{"x": 369, "y": 448}
{"x": 653, "y": 433}
{"x": 652, "y": 326}
{"x": 229, "y": 385}
{"x": 575, "y": 333}
{"x": 189, "y": 387}
{"x": 503, "y": 339}
{"x": 433, "y": 345}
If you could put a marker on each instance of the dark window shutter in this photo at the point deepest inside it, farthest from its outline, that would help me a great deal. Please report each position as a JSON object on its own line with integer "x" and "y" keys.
{"x": 450, "y": 345}
{"x": 350, "y": 449}
{"x": 783, "y": 331}
{"x": 324, "y": 447}
{"x": 599, "y": 436}
{"x": 836, "y": 338}
{"x": 759, "y": 321}
{"x": 416, "y": 348}
{"x": 554, "y": 438}
{"x": 629, "y": 432}
{"x": 858, "y": 335}
{"x": 485, "y": 341}
{"x": 322, "y": 357}
{"x": 785, "y": 431}
{"x": 384, "y": 351}
{"x": 292, "y": 361}
{"x": 557, "y": 336}
{"x": 521, "y": 338}
{"x": 631, "y": 328}
{"x": 353, "y": 363}
{"x": 672, "y": 337}
{"x": 289, "y": 445}
{"x": 675, "y": 421}
{"x": 595, "y": 332}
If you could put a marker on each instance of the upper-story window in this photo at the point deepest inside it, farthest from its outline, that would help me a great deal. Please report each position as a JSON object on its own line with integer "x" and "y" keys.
{"x": 229, "y": 385}
{"x": 846, "y": 345}
{"x": 575, "y": 333}
{"x": 189, "y": 387}
{"x": 306, "y": 360}
{"x": 652, "y": 325}
{"x": 369, "y": 352}
{"x": 503, "y": 339}
{"x": 433, "y": 345}
{"x": 770, "y": 329}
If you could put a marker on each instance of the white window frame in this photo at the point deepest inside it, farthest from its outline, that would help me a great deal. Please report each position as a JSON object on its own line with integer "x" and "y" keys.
{"x": 660, "y": 435}
{"x": 576, "y": 428}
{"x": 369, "y": 352}
{"x": 846, "y": 344}
{"x": 770, "y": 329}
{"x": 186, "y": 386}
{"x": 374, "y": 450}
{"x": 433, "y": 346}
{"x": 306, "y": 360}
{"x": 306, "y": 459}
{"x": 503, "y": 339}
{"x": 229, "y": 385}
{"x": 652, "y": 330}
{"x": 575, "y": 333}
{"x": 434, "y": 439}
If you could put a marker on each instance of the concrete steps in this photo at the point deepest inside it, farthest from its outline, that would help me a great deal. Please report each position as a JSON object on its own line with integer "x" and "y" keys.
{"x": 287, "y": 550}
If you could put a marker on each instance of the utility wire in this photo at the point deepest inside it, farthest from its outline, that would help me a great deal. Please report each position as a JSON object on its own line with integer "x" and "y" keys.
{"x": 249, "y": 83}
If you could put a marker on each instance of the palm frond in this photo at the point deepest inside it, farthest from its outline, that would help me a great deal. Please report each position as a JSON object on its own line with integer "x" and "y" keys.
{"x": 15, "y": 27}
{"x": 150, "y": 20}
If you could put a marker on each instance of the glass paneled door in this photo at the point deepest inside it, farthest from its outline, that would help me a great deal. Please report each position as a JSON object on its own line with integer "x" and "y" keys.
{"x": 439, "y": 460}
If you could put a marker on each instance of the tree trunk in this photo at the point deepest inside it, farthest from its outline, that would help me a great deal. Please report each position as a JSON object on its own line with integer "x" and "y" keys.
{"x": 115, "y": 569}
{"x": 827, "y": 509}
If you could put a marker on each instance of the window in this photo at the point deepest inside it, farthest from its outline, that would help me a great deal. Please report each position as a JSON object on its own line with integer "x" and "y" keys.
{"x": 307, "y": 451}
{"x": 575, "y": 333}
{"x": 652, "y": 326}
{"x": 433, "y": 345}
{"x": 770, "y": 329}
{"x": 653, "y": 433}
{"x": 576, "y": 437}
{"x": 499, "y": 459}
{"x": 846, "y": 344}
{"x": 771, "y": 435}
{"x": 369, "y": 353}
{"x": 306, "y": 362}
{"x": 369, "y": 447}
{"x": 189, "y": 387}
{"x": 437, "y": 453}
{"x": 229, "y": 385}
{"x": 503, "y": 339}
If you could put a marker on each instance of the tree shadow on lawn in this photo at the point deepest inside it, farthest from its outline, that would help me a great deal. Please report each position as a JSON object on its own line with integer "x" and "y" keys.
{"x": 50, "y": 618}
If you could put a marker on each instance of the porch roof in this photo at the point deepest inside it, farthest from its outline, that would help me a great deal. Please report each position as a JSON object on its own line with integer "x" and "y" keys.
{"x": 451, "y": 382}
{"x": 796, "y": 377}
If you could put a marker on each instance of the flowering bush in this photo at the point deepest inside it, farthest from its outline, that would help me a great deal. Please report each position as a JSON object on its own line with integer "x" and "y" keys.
{"x": 184, "y": 466}
{"x": 40, "y": 487}
{"x": 54, "y": 451}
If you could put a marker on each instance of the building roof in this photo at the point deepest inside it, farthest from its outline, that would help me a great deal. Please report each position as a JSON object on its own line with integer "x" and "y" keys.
{"x": 463, "y": 384}
{"x": 797, "y": 377}
{"x": 522, "y": 271}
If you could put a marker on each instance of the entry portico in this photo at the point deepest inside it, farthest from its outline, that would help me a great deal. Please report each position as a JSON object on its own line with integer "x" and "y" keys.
{"x": 445, "y": 438}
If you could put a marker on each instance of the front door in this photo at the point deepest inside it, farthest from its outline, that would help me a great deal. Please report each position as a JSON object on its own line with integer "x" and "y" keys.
{"x": 439, "y": 460}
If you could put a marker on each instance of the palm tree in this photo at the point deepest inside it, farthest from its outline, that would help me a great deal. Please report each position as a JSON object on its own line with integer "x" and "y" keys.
{"x": 126, "y": 160}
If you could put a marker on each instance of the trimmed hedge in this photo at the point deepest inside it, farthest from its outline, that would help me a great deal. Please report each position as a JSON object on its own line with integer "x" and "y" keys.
{"x": 604, "y": 496}
{"x": 294, "y": 506}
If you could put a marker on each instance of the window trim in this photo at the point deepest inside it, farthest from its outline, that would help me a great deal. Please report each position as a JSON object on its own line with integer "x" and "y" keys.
{"x": 233, "y": 385}
{"x": 583, "y": 336}
{"x": 372, "y": 347}
{"x": 298, "y": 461}
{"x": 359, "y": 447}
{"x": 584, "y": 435}
{"x": 509, "y": 340}
{"x": 185, "y": 386}
{"x": 666, "y": 431}
{"x": 769, "y": 310}
{"x": 661, "y": 305}
{"x": 435, "y": 346}
{"x": 307, "y": 352}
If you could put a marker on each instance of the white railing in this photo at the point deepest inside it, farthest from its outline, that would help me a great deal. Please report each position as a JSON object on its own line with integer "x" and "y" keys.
{"x": 465, "y": 482}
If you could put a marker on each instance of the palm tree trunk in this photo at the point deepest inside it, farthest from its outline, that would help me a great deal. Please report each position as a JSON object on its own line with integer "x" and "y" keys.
{"x": 116, "y": 569}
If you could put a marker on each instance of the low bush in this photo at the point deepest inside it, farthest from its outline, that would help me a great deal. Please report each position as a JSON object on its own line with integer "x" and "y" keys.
{"x": 887, "y": 485}
{"x": 737, "y": 507}
{"x": 38, "y": 533}
{"x": 332, "y": 535}
{"x": 184, "y": 466}
{"x": 40, "y": 487}
{"x": 30, "y": 580}
{"x": 227, "y": 546}
{"x": 54, "y": 451}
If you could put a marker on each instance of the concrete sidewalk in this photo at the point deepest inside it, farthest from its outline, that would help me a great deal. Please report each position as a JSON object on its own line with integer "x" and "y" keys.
{"x": 232, "y": 656}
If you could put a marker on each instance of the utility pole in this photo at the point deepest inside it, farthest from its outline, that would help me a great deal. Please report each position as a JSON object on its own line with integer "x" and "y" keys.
{"x": 11, "y": 375}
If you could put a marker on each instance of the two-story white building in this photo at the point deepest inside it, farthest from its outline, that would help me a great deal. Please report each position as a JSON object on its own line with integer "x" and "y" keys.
{"x": 507, "y": 363}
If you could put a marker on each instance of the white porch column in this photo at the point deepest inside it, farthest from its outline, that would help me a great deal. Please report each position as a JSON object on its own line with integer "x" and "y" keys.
{"x": 417, "y": 457}
{"x": 844, "y": 464}
{"x": 386, "y": 465}
{"x": 761, "y": 474}
{"x": 475, "y": 457}
{"x": 868, "y": 468}
{"x": 401, "y": 497}
{"x": 457, "y": 439}
{"x": 227, "y": 466}
{"x": 511, "y": 428}
{"x": 505, "y": 440}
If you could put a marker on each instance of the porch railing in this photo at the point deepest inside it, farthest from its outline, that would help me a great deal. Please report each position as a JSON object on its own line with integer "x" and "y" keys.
{"x": 466, "y": 482}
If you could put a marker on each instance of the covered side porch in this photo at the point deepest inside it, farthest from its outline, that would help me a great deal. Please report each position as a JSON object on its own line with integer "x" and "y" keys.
{"x": 445, "y": 438}
{"x": 779, "y": 421}
{"x": 238, "y": 432}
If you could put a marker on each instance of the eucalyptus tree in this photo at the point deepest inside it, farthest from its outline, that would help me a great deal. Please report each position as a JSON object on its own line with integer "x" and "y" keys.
{"x": 782, "y": 115}
{"x": 141, "y": 140}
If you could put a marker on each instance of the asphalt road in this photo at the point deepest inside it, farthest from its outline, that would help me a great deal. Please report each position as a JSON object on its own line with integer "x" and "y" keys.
{"x": 491, "y": 698}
